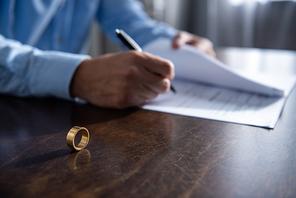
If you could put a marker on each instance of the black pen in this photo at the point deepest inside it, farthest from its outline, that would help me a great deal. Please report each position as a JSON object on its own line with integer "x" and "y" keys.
{"x": 131, "y": 44}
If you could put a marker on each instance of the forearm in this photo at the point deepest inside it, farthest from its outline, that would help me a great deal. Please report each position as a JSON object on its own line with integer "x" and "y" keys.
{"x": 27, "y": 71}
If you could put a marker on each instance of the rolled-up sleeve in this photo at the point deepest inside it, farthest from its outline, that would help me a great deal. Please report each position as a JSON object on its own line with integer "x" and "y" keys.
{"x": 28, "y": 71}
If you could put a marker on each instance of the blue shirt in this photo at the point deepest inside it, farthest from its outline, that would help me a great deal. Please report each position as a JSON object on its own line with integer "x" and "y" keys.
{"x": 41, "y": 41}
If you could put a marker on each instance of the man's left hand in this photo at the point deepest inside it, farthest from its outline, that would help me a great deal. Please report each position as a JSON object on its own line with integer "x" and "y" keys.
{"x": 201, "y": 43}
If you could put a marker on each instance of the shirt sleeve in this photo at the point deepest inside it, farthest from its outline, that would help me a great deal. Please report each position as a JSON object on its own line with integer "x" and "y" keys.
{"x": 28, "y": 71}
{"x": 130, "y": 16}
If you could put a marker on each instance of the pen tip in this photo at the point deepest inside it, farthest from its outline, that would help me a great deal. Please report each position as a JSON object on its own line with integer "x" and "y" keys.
{"x": 173, "y": 89}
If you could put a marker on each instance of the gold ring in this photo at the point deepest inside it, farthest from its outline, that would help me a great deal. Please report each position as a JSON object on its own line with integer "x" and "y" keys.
{"x": 71, "y": 137}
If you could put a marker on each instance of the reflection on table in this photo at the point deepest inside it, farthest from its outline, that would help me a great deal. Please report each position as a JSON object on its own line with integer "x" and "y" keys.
{"x": 139, "y": 153}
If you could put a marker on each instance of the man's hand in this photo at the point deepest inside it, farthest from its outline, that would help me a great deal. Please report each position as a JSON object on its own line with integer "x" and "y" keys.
{"x": 201, "y": 43}
{"x": 122, "y": 79}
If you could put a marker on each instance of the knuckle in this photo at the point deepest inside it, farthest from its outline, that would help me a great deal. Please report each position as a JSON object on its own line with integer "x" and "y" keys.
{"x": 165, "y": 86}
{"x": 131, "y": 72}
{"x": 133, "y": 55}
{"x": 169, "y": 67}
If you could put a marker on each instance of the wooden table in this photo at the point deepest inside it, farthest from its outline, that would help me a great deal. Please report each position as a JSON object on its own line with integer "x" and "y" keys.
{"x": 139, "y": 153}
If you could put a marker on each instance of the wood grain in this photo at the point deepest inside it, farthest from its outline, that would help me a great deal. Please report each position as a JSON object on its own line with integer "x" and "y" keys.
{"x": 139, "y": 153}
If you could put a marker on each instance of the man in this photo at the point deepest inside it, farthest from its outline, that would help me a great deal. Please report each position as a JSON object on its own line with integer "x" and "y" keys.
{"x": 41, "y": 43}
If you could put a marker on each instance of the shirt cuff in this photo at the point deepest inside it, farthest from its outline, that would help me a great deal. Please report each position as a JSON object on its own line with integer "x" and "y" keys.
{"x": 54, "y": 73}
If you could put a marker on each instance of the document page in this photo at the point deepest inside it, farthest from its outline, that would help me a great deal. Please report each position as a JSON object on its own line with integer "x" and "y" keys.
{"x": 210, "y": 102}
{"x": 195, "y": 65}
{"x": 207, "y": 88}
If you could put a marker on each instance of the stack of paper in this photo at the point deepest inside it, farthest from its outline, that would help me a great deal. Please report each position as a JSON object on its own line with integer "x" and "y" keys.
{"x": 207, "y": 88}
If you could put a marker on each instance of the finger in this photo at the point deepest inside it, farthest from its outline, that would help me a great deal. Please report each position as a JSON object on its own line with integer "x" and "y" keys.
{"x": 202, "y": 44}
{"x": 155, "y": 82}
{"x": 135, "y": 97}
{"x": 212, "y": 53}
{"x": 142, "y": 76}
{"x": 144, "y": 89}
{"x": 162, "y": 67}
{"x": 147, "y": 93}
{"x": 136, "y": 100}
{"x": 207, "y": 47}
{"x": 125, "y": 98}
{"x": 179, "y": 40}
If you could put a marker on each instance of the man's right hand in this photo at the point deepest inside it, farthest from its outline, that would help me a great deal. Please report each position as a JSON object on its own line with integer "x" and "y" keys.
{"x": 122, "y": 79}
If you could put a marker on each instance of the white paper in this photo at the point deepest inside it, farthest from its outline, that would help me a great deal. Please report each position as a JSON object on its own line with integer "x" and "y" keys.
{"x": 223, "y": 104}
{"x": 210, "y": 102}
{"x": 197, "y": 66}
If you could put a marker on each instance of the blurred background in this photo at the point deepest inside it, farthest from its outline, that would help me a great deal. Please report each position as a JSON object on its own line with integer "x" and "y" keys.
{"x": 267, "y": 24}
